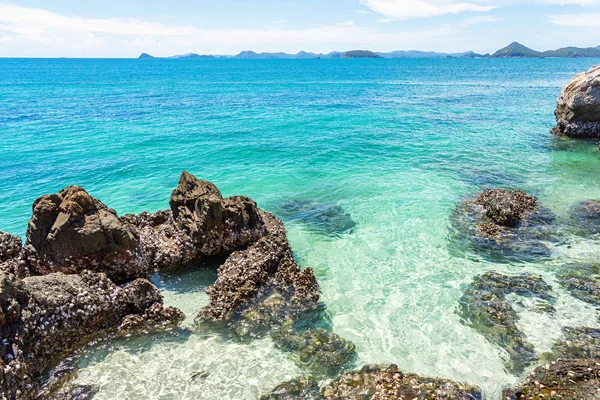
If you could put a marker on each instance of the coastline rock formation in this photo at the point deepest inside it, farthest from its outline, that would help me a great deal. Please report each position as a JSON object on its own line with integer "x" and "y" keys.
{"x": 562, "y": 379}
{"x": 485, "y": 307}
{"x": 578, "y": 107}
{"x": 10, "y": 247}
{"x": 504, "y": 224}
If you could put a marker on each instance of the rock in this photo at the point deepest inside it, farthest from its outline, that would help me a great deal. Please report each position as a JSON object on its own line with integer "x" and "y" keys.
{"x": 485, "y": 307}
{"x": 582, "y": 282}
{"x": 577, "y": 343}
{"x": 503, "y": 225}
{"x": 200, "y": 224}
{"x": 46, "y": 317}
{"x": 585, "y": 218}
{"x": 327, "y": 219}
{"x": 578, "y": 107}
{"x": 562, "y": 379}
{"x": 389, "y": 383}
{"x": 322, "y": 352}
{"x": 303, "y": 388}
{"x": 10, "y": 246}
{"x": 71, "y": 231}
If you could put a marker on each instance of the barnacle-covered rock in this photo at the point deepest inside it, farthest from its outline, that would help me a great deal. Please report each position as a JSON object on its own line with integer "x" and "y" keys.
{"x": 10, "y": 246}
{"x": 563, "y": 379}
{"x": 503, "y": 225}
{"x": 72, "y": 231}
{"x": 302, "y": 388}
{"x": 580, "y": 342}
{"x": 485, "y": 307}
{"x": 45, "y": 317}
{"x": 329, "y": 219}
{"x": 389, "y": 383}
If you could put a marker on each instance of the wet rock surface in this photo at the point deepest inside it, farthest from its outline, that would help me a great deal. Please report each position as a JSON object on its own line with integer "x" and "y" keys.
{"x": 486, "y": 308}
{"x": 582, "y": 281}
{"x": 389, "y": 383}
{"x": 503, "y": 225}
{"x": 328, "y": 219}
{"x": 562, "y": 379}
{"x": 46, "y": 317}
{"x": 576, "y": 343}
{"x": 71, "y": 231}
{"x": 578, "y": 106}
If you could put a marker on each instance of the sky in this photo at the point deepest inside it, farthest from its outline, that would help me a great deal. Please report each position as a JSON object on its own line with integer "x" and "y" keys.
{"x": 126, "y": 28}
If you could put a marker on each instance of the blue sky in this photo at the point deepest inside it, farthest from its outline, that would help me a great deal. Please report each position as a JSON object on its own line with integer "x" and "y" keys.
{"x": 110, "y": 28}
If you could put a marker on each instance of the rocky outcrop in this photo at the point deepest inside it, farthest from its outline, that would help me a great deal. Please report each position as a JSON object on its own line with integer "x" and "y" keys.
{"x": 578, "y": 107}
{"x": 71, "y": 231}
{"x": 201, "y": 223}
{"x": 389, "y": 383}
{"x": 10, "y": 246}
{"x": 46, "y": 317}
{"x": 485, "y": 307}
{"x": 504, "y": 225}
{"x": 562, "y": 379}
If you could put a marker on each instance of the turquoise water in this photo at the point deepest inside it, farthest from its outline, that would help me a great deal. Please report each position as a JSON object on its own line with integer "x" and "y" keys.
{"x": 395, "y": 143}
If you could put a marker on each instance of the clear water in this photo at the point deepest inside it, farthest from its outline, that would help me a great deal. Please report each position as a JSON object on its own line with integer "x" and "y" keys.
{"x": 396, "y": 143}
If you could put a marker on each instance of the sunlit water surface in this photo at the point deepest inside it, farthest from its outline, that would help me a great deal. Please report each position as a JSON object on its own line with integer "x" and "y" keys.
{"x": 395, "y": 143}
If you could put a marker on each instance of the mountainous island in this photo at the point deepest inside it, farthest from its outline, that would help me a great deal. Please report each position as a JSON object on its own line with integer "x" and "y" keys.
{"x": 513, "y": 50}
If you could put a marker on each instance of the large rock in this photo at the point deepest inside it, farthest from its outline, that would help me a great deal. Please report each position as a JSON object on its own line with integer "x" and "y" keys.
{"x": 562, "y": 379}
{"x": 45, "y": 317}
{"x": 578, "y": 107}
{"x": 10, "y": 246}
{"x": 486, "y": 308}
{"x": 201, "y": 223}
{"x": 71, "y": 231}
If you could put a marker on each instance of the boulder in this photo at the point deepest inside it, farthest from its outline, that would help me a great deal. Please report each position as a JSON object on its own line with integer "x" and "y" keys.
{"x": 72, "y": 231}
{"x": 485, "y": 307}
{"x": 10, "y": 246}
{"x": 46, "y": 317}
{"x": 578, "y": 107}
{"x": 389, "y": 383}
{"x": 562, "y": 379}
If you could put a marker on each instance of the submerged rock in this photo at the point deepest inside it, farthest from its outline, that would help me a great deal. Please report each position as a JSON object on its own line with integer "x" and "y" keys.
{"x": 582, "y": 282}
{"x": 71, "y": 231}
{"x": 577, "y": 343}
{"x": 485, "y": 307}
{"x": 578, "y": 107}
{"x": 389, "y": 383}
{"x": 585, "y": 218}
{"x": 303, "y": 388}
{"x": 503, "y": 225}
{"x": 10, "y": 246}
{"x": 562, "y": 379}
{"x": 46, "y": 317}
{"x": 329, "y": 219}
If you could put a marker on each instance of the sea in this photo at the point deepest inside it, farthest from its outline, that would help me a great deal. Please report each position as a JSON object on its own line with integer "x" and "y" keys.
{"x": 388, "y": 147}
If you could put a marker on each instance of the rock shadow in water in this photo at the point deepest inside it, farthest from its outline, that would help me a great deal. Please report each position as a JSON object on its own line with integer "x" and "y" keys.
{"x": 327, "y": 219}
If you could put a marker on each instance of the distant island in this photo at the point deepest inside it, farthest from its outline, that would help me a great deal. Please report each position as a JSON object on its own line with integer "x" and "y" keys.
{"x": 513, "y": 50}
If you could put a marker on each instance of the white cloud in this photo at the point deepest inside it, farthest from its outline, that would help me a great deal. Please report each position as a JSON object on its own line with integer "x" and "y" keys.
{"x": 29, "y": 32}
{"x": 480, "y": 19}
{"x": 584, "y": 3}
{"x": 584, "y": 20}
{"x": 406, "y": 9}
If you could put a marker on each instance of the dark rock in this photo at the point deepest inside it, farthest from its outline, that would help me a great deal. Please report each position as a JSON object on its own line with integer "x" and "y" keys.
{"x": 578, "y": 107}
{"x": 303, "y": 388}
{"x": 585, "y": 218}
{"x": 322, "y": 218}
{"x": 485, "y": 307}
{"x": 46, "y": 317}
{"x": 562, "y": 379}
{"x": 389, "y": 383}
{"x": 582, "y": 282}
{"x": 71, "y": 231}
{"x": 503, "y": 226}
{"x": 10, "y": 246}
{"x": 577, "y": 343}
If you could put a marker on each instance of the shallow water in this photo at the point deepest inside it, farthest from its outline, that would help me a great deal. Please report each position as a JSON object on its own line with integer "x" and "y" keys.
{"x": 395, "y": 143}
